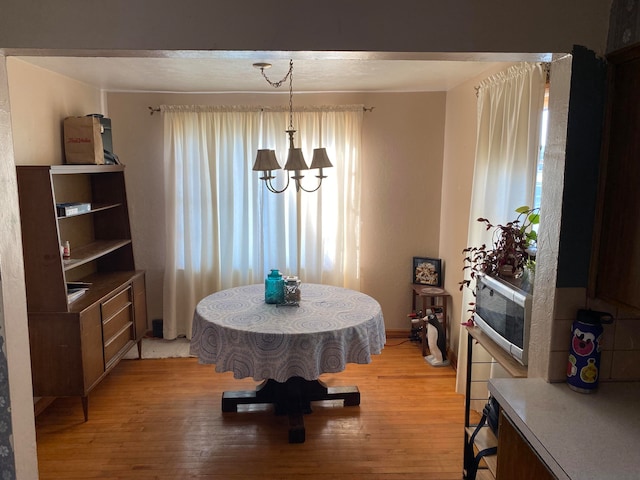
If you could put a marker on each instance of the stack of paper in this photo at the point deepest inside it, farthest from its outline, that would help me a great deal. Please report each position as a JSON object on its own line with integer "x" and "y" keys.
{"x": 76, "y": 290}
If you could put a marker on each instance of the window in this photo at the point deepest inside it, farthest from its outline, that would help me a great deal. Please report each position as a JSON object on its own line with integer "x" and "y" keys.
{"x": 543, "y": 143}
{"x": 224, "y": 228}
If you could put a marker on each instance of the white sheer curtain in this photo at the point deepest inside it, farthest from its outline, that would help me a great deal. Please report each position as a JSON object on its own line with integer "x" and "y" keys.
{"x": 224, "y": 229}
{"x": 510, "y": 106}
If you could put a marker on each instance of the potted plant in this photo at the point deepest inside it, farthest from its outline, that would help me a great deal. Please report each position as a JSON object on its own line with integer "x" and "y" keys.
{"x": 511, "y": 253}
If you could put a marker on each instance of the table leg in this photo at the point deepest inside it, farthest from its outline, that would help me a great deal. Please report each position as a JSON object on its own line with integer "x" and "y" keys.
{"x": 292, "y": 398}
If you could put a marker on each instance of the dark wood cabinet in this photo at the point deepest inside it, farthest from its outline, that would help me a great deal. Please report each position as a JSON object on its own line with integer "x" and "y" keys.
{"x": 517, "y": 459}
{"x": 75, "y": 343}
{"x": 616, "y": 276}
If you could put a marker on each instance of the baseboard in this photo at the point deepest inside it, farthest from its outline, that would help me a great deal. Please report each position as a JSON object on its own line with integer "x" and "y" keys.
{"x": 451, "y": 356}
{"x": 453, "y": 359}
{"x": 41, "y": 403}
{"x": 398, "y": 333}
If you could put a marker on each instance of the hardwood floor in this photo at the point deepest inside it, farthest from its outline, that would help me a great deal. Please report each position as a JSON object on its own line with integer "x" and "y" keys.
{"x": 161, "y": 419}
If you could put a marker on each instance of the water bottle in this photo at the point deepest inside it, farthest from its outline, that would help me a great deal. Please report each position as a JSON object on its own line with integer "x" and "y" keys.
{"x": 583, "y": 368}
{"x": 274, "y": 287}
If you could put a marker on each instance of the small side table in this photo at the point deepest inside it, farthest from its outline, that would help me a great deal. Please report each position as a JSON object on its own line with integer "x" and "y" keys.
{"x": 432, "y": 297}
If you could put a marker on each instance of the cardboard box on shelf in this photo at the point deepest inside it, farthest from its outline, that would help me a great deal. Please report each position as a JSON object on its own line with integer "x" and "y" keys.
{"x": 83, "y": 140}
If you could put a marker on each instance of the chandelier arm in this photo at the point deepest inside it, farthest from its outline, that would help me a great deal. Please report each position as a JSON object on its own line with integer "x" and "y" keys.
{"x": 272, "y": 189}
{"x": 299, "y": 185}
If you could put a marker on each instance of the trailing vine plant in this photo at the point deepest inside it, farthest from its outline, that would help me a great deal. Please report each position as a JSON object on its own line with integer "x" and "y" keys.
{"x": 512, "y": 250}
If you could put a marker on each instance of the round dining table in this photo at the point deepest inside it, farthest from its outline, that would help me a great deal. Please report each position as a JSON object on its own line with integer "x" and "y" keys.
{"x": 287, "y": 347}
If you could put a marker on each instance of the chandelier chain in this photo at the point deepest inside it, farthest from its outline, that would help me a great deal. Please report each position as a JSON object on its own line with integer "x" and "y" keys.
{"x": 279, "y": 83}
{"x": 290, "y": 94}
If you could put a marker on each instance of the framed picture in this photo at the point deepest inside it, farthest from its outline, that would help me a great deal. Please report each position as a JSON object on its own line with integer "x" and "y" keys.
{"x": 427, "y": 271}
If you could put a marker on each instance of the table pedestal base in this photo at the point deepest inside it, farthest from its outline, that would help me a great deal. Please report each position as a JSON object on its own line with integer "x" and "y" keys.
{"x": 292, "y": 398}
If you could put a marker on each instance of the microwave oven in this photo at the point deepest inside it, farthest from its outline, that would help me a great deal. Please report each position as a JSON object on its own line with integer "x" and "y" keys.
{"x": 503, "y": 312}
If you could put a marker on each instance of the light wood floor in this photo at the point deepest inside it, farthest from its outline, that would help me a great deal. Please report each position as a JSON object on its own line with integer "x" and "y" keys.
{"x": 161, "y": 419}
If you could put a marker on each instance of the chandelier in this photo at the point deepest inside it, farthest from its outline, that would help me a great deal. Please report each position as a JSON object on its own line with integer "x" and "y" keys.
{"x": 266, "y": 161}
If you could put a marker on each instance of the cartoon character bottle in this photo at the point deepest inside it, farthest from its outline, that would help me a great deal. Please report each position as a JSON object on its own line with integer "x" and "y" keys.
{"x": 583, "y": 368}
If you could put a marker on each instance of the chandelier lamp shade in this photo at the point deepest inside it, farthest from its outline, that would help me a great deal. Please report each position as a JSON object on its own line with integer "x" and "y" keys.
{"x": 266, "y": 161}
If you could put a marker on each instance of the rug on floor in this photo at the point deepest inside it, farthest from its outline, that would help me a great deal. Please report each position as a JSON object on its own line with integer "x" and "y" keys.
{"x": 161, "y": 348}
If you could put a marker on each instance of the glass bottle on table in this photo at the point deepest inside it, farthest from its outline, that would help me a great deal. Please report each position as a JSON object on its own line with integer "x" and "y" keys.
{"x": 274, "y": 287}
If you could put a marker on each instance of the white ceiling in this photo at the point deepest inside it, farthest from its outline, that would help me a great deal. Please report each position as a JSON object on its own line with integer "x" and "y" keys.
{"x": 208, "y": 73}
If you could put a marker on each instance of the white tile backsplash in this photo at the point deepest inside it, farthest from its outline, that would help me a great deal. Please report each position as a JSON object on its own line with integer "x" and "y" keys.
{"x": 561, "y": 335}
{"x": 558, "y": 366}
{"x": 568, "y": 301}
{"x": 625, "y": 365}
{"x": 627, "y": 334}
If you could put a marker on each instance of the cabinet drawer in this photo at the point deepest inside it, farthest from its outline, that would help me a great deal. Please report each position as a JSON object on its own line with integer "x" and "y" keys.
{"x": 116, "y": 303}
{"x": 112, "y": 326}
{"x": 115, "y": 344}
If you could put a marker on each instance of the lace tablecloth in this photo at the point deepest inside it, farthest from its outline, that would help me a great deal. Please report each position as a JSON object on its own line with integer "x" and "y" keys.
{"x": 237, "y": 331}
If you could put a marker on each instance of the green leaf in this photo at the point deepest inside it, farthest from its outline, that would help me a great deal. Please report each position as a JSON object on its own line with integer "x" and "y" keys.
{"x": 523, "y": 209}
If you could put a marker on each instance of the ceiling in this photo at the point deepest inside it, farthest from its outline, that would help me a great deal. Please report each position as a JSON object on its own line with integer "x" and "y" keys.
{"x": 234, "y": 72}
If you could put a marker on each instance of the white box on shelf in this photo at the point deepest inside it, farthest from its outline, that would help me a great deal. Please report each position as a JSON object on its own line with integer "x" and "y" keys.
{"x": 72, "y": 208}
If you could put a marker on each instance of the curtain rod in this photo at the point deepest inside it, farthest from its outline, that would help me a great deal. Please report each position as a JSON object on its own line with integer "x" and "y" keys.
{"x": 546, "y": 67}
{"x": 153, "y": 110}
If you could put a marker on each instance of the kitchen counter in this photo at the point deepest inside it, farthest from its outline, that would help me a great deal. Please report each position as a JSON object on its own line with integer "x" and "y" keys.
{"x": 578, "y": 436}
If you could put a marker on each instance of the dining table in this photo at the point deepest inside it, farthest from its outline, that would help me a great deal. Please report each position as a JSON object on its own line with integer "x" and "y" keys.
{"x": 287, "y": 347}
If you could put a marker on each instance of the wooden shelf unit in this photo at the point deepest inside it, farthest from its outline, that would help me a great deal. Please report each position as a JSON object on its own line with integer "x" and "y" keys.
{"x": 75, "y": 344}
{"x": 435, "y": 299}
{"x": 485, "y": 437}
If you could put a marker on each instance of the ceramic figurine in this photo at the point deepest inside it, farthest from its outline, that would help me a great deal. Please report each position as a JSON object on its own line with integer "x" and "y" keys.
{"x": 436, "y": 340}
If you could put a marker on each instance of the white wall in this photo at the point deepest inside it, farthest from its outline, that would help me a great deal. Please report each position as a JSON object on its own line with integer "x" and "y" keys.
{"x": 401, "y": 170}
{"x": 13, "y": 308}
{"x": 39, "y": 101}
